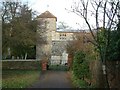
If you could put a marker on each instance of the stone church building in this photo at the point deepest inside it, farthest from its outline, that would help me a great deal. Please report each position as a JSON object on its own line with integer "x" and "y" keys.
{"x": 55, "y": 47}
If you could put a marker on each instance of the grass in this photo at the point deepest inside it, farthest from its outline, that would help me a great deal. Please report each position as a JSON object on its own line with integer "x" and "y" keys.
{"x": 19, "y": 78}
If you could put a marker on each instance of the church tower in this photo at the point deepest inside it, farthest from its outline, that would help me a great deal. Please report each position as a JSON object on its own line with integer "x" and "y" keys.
{"x": 46, "y": 24}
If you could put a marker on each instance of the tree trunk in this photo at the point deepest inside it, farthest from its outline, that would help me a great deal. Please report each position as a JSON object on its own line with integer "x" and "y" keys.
{"x": 105, "y": 74}
{"x": 117, "y": 74}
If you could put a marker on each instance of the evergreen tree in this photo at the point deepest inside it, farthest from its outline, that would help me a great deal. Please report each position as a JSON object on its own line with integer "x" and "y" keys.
{"x": 19, "y": 30}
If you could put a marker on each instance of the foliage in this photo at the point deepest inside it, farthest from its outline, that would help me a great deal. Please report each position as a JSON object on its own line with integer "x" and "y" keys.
{"x": 63, "y": 25}
{"x": 80, "y": 65}
{"x": 112, "y": 52}
{"x": 114, "y": 49}
{"x": 104, "y": 12}
{"x": 78, "y": 82}
{"x": 80, "y": 43}
{"x": 19, "y": 78}
{"x": 19, "y": 30}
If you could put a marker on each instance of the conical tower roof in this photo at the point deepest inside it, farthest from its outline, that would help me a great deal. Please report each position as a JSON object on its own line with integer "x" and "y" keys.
{"x": 47, "y": 14}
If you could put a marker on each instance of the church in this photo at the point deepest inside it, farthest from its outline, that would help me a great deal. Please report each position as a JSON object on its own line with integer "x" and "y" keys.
{"x": 55, "y": 48}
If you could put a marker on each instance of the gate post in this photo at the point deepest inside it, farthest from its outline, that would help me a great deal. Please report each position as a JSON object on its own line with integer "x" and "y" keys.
{"x": 44, "y": 65}
{"x": 69, "y": 61}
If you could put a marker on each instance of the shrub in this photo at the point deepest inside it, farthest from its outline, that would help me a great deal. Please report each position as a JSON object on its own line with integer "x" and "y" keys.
{"x": 78, "y": 82}
{"x": 80, "y": 70}
{"x": 80, "y": 65}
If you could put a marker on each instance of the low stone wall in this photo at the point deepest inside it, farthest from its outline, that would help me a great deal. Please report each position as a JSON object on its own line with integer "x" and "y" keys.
{"x": 21, "y": 64}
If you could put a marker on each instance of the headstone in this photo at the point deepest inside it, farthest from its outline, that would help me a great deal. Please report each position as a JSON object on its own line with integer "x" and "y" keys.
{"x": 13, "y": 57}
{"x": 17, "y": 57}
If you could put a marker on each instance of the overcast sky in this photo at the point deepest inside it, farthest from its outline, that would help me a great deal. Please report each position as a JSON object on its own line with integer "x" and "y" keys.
{"x": 57, "y": 8}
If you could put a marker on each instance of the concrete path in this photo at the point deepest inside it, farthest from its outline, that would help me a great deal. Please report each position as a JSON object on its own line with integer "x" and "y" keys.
{"x": 54, "y": 79}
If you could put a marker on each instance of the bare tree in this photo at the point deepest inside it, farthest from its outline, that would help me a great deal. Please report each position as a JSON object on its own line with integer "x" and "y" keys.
{"x": 104, "y": 13}
{"x": 63, "y": 25}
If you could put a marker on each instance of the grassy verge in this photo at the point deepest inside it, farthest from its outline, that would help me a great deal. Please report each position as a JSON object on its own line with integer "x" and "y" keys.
{"x": 19, "y": 78}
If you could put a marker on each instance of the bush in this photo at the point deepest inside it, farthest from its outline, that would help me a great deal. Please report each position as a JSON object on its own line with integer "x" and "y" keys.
{"x": 80, "y": 65}
{"x": 78, "y": 82}
{"x": 81, "y": 71}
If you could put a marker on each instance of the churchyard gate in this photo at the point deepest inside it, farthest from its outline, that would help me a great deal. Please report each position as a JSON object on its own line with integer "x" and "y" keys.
{"x": 59, "y": 65}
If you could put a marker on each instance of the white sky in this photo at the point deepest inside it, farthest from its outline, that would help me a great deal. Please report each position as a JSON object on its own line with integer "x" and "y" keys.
{"x": 57, "y": 8}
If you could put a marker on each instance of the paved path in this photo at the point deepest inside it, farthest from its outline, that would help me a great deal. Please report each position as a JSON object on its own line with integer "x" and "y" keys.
{"x": 54, "y": 79}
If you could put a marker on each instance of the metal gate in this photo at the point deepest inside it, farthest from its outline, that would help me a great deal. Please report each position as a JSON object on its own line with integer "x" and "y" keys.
{"x": 58, "y": 65}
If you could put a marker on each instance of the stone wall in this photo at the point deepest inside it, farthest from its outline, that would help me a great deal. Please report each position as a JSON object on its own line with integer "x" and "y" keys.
{"x": 62, "y": 36}
{"x": 21, "y": 64}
